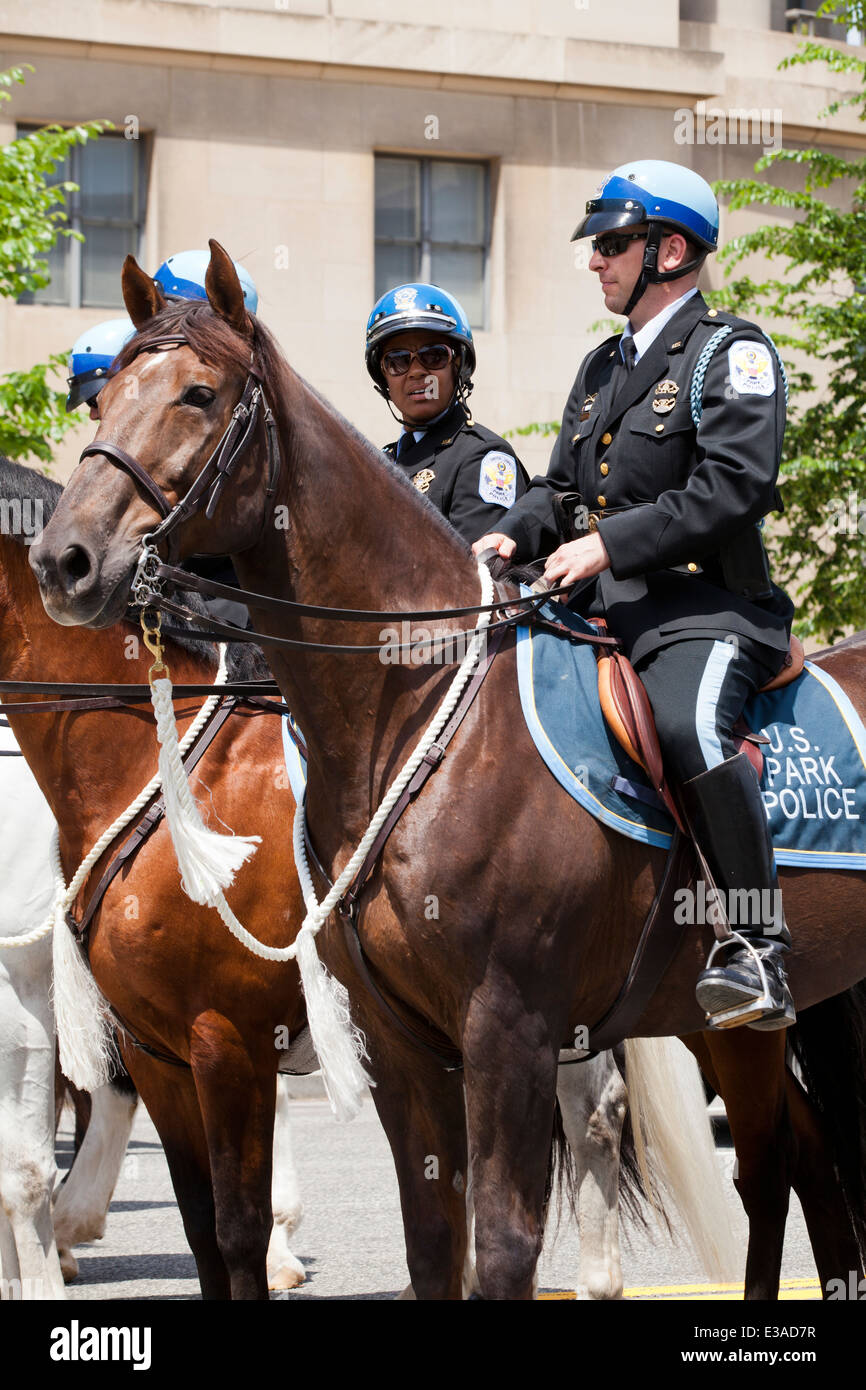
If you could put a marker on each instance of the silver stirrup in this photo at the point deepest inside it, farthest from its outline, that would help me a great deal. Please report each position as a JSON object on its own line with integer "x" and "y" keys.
{"x": 750, "y": 1009}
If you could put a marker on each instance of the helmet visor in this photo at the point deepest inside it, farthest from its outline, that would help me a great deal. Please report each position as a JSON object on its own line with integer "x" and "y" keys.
{"x": 608, "y": 215}
{"x": 83, "y": 388}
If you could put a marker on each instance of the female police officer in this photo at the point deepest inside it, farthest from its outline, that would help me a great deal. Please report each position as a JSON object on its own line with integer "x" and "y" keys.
{"x": 421, "y": 357}
{"x": 672, "y": 438}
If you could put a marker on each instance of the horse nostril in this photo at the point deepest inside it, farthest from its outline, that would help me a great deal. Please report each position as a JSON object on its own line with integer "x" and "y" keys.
{"x": 73, "y": 566}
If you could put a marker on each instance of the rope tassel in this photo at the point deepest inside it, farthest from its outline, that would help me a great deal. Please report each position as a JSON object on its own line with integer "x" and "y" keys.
{"x": 208, "y": 861}
{"x": 84, "y": 1041}
{"x": 340, "y": 1046}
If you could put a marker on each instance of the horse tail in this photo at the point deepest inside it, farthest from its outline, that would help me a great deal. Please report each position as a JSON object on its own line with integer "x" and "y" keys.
{"x": 674, "y": 1150}
{"x": 829, "y": 1044}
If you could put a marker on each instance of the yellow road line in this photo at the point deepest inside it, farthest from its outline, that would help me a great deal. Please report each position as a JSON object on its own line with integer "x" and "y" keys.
{"x": 790, "y": 1290}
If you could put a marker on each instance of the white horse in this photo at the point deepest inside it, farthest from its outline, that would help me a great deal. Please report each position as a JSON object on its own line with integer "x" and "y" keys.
{"x": 29, "y": 1267}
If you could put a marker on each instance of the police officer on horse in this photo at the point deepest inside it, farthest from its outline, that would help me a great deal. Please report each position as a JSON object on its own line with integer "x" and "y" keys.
{"x": 666, "y": 464}
{"x": 421, "y": 356}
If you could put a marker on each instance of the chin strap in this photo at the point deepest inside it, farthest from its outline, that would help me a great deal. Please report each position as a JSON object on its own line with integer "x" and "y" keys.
{"x": 649, "y": 274}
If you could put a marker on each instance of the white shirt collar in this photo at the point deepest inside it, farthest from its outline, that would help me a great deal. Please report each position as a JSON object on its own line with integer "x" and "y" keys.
{"x": 646, "y": 336}
{"x": 419, "y": 434}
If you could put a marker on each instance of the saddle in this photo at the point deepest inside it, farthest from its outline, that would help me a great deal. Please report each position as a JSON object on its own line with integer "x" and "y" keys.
{"x": 627, "y": 712}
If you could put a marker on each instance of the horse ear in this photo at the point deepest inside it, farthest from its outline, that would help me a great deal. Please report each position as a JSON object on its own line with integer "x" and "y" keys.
{"x": 141, "y": 294}
{"x": 224, "y": 289}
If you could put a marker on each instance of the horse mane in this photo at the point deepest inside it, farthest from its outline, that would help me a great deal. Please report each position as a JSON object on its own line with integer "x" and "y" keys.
{"x": 244, "y": 661}
{"x": 20, "y": 484}
{"x": 220, "y": 346}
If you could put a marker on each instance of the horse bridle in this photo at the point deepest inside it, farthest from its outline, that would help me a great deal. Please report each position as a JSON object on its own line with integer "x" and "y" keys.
{"x": 220, "y": 466}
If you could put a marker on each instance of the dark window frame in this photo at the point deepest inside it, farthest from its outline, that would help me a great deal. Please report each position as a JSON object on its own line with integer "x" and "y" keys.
{"x": 78, "y": 222}
{"x": 424, "y": 241}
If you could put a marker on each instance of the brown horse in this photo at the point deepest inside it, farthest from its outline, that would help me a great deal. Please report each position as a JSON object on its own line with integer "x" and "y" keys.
{"x": 501, "y": 916}
{"x": 170, "y": 969}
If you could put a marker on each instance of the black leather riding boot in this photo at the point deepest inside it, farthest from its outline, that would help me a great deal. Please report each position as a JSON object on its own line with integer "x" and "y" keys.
{"x": 726, "y": 813}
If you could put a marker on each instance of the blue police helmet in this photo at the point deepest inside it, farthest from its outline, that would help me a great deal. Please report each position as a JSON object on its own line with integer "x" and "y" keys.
{"x": 418, "y": 305}
{"x": 654, "y": 190}
{"x": 92, "y": 356}
{"x": 182, "y": 277}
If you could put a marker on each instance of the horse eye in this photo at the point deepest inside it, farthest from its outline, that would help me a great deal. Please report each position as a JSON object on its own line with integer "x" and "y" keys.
{"x": 201, "y": 396}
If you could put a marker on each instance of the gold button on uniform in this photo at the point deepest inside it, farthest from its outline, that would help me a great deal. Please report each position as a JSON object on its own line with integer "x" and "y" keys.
{"x": 593, "y": 523}
{"x": 575, "y": 437}
{"x": 712, "y": 313}
{"x": 659, "y": 429}
{"x": 607, "y": 439}
{"x": 602, "y": 501}
{"x": 604, "y": 470}
{"x": 693, "y": 569}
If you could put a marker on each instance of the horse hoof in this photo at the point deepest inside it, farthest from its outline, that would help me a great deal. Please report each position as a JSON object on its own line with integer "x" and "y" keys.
{"x": 286, "y": 1277}
{"x": 68, "y": 1266}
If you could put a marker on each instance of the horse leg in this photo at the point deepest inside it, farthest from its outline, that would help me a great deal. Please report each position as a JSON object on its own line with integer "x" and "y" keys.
{"x": 593, "y": 1099}
{"x": 170, "y": 1096}
{"x": 28, "y": 1168}
{"x": 815, "y": 1181}
{"x": 238, "y": 1120}
{"x": 285, "y": 1271}
{"x": 510, "y": 1062}
{"x": 749, "y": 1067}
{"x": 85, "y": 1195}
{"x": 421, "y": 1108}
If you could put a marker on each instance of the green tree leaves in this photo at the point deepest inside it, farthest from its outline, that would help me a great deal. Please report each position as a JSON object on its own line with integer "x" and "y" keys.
{"x": 32, "y": 216}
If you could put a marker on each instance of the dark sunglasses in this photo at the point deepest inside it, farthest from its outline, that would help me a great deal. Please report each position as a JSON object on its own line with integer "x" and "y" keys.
{"x": 614, "y": 243}
{"x": 433, "y": 357}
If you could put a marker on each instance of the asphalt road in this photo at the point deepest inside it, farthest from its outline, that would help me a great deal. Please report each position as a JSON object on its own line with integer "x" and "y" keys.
{"x": 350, "y": 1241}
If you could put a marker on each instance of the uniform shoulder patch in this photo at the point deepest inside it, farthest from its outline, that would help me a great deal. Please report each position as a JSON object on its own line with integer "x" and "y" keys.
{"x": 497, "y": 482}
{"x": 751, "y": 368}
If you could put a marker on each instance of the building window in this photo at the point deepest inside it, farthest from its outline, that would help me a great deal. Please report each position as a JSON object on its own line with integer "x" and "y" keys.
{"x": 108, "y": 210}
{"x": 432, "y": 224}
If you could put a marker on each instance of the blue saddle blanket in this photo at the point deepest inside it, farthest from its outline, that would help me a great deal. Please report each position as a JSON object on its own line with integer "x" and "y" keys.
{"x": 814, "y": 782}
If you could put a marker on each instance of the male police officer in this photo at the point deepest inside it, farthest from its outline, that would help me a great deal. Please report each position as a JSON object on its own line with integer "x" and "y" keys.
{"x": 421, "y": 357}
{"x": 672, "y": 438}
